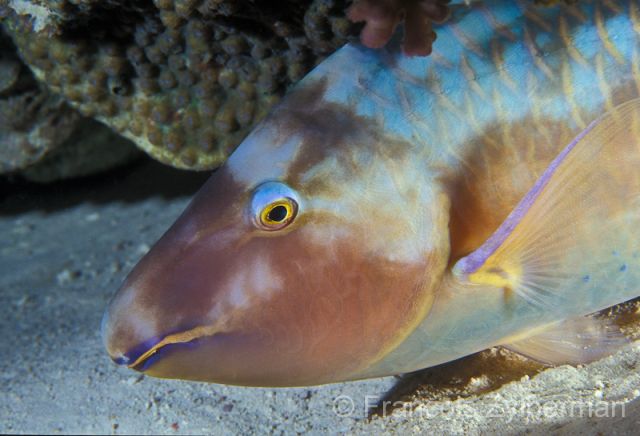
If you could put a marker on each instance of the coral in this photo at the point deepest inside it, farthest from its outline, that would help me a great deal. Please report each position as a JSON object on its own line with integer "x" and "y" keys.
{"x": 381, "y": 18}
{"x": 184, "y": 79}
{"x": 91, "y": 148}
{"x": 41, "y": 137}
{"x": 33, "y": 121}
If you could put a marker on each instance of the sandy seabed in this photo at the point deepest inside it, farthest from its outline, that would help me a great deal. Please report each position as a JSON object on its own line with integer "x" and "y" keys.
{"x": 64, "y": 250}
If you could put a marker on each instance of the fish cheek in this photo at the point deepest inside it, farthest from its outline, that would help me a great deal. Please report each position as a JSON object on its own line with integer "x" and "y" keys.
{"x": 287, "y": 310}
{"x": 337, "y": 312}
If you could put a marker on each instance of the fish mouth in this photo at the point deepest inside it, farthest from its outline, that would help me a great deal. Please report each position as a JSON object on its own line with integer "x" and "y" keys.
{"x": 141, "y": 357}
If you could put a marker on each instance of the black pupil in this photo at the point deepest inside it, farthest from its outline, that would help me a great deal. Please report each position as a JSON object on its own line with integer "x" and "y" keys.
{"x": 278, "y": 214}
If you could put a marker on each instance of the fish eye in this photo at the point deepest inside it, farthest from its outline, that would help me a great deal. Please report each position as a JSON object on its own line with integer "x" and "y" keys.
{"x": 279, "y": 214}
{"x": 274, "y": 206}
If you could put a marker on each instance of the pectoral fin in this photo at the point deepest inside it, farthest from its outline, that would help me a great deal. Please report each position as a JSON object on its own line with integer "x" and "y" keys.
{"x": 573, "y": 341}
{"x": 584, "y": 207}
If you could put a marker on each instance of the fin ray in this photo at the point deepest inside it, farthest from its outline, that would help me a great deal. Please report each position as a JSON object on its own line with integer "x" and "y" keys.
{"x": 573, "y": 341}
{"x": 585, "y": 206}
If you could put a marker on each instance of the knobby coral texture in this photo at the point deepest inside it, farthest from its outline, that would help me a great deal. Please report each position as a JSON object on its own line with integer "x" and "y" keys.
{"x": 184, "y": 79}
{"x": 33, "y": 121}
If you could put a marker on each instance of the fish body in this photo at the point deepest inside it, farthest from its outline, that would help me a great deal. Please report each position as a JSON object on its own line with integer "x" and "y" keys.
{"x": 395, "y": 213}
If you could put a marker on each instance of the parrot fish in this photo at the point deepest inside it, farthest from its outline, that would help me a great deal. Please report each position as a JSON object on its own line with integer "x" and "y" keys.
{"x": 393, "y": 213}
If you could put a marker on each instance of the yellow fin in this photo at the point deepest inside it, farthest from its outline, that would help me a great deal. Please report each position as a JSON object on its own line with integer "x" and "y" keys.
{"x": 585, "y": 207}
{"x": 574, "y": 341}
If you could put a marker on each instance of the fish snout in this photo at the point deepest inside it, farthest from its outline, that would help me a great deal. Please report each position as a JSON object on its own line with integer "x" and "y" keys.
{"x": 125, "y": 335}
{"x": 169, "y": 298}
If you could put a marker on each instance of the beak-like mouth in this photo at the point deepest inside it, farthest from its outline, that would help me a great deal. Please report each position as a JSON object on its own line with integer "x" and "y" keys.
{"x": 140, "y": 357}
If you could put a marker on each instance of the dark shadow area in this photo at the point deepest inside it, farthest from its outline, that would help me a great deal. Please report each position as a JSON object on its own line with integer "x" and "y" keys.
{"x": 129, "y": 184}
{"x": 472, "y": 375}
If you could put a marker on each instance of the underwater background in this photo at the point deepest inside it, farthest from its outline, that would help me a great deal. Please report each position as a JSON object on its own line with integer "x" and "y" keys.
{"x": 80, "y": 205}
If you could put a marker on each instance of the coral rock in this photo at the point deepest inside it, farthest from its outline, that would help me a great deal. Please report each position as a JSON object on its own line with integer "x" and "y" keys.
{"x": 184, "y": 79}
{"x": 33, "y": 121}
{"x": 381, "y": 18}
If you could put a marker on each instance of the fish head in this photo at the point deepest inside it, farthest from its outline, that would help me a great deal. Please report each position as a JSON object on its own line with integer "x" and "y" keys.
{"x": 302, "y": 261}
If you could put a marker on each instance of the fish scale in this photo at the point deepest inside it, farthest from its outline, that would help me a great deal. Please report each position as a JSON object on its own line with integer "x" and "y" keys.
{"x": 563, "y": 77}
{"x": 396, "y": 213}
{"x": 549, "y": 74}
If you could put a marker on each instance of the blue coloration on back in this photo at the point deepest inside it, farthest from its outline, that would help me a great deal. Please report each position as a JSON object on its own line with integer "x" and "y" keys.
{"x": 448, "y": 97}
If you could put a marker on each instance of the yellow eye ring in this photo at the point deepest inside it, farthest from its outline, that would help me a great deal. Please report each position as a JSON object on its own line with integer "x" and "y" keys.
{"x": 278, "y": 214}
